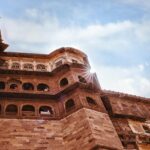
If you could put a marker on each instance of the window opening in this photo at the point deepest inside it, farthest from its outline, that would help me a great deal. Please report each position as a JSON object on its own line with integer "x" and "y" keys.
{"x": 11, "y": 109}
{"x": 69, "y": 104}
{"x": 28, "y": 67}
{"x": 91, "y": 101}
{"x": 63, "y": 82}
{"x": 45, "y": 110}
{"x": 28, "y": 110}
{"x": 81, "y": 79}
{"x": 41, "y": 67}
{"x": 2, "y": 85}
{"x": 13, "y": 86}
{"x": 43, "y": 87}
{"x": 15, "y": 66}
{"x": 28, "y": 86}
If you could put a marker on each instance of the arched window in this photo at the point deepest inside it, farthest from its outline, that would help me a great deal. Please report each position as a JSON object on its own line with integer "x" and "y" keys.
{"x": 28, "y": 108}
{"x": 41, "y": 67}
{"x": 15, "y": 66}
{"x": 13, "y": 86}
{"x": 81, "y": 79}
{"x": 4, "y": 65}
{"x": 63, "y": 82}
{"x": 43, "y": 87}
{"x": 28, "y": 86}
{"x": 46, "y": 110}
{"x": 11, "y": 109}
{"x": 91, "y": 101}
{"x": 58, "y": 62}
{"x": 2, "y": 85}
{"x": 69, "y": 104}
{"x": 28, "y": 67}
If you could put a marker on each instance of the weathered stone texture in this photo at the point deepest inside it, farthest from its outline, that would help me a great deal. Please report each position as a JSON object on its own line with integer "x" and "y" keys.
{"x": 81, "y": 130}
{"x": 130, "y": 107}
{"x": 86, "y": 128}
{"x": 27, "y": 134}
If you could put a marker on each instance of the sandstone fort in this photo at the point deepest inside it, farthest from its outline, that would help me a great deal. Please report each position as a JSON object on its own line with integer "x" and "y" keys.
{"x": 53, "y": 102}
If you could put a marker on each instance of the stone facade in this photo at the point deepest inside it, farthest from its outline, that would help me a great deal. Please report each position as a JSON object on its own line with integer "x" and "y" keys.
{"x": 53, "y": 102}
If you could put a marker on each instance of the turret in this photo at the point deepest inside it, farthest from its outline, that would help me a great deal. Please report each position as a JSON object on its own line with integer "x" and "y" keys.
{"x": 3, "y": 46}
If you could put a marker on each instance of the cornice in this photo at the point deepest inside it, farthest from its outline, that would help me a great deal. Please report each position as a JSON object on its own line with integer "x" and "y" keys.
{"x": 125, "y": 96}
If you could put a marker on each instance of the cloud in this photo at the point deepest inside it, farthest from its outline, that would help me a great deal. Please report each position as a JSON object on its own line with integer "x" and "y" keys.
{"x": 141, "y": 67}
{"x": 119, "y": 38}
{"x": 143, "y": 31}
{"x": 127, "y": 80}
{"x": 122, "y": 39}
{"x": 32, "y": 12}
{"x": 54, "y": 35}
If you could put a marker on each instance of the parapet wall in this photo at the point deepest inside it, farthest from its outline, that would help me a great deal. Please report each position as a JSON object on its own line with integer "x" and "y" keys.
{"x": 129, "y": 107}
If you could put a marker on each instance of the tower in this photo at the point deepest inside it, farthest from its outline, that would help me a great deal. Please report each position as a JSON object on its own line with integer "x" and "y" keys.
{"x": 53, "y": 102}
{"x": 3, "y": 46}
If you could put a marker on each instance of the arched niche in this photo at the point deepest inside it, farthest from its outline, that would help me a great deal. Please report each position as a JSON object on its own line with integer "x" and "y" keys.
{"x": 63, "y": 82}
{"x": 11, "y": 109}
{"x": 28, "y": 110}
{"x": 69, "y": 105}
{"x": 28, "y": 86}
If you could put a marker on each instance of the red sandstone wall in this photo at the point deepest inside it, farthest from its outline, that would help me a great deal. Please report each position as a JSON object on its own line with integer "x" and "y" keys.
{"x": 81, "y": 130}
{"x": 27, "y": 134}
{"x": 87, "y": 128}
{"x": 143, "y": 137}
{"x": 130, "y": 107}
